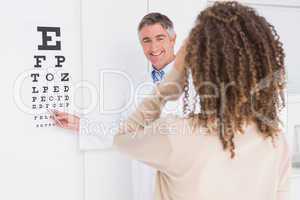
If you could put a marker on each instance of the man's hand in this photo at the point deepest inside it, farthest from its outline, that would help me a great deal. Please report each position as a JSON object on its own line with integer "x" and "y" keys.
{"x": 66, "y": 120}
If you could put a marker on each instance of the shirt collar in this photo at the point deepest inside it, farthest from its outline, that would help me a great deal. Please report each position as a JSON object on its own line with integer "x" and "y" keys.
{"x": 167, "y": 68}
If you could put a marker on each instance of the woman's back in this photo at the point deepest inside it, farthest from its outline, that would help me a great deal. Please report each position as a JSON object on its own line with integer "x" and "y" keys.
{"x": 198, "y": 168}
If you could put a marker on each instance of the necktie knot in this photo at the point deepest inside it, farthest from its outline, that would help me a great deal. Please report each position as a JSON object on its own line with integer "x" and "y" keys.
{"x": 157, "y": 75}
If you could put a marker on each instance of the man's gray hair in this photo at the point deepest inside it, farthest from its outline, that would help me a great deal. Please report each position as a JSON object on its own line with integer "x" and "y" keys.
{"x": 154, "y": 18}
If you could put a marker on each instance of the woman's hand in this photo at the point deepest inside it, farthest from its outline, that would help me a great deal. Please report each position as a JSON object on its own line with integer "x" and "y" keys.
{"x": 180, "y": 56}
{"x": 66, "y": 120}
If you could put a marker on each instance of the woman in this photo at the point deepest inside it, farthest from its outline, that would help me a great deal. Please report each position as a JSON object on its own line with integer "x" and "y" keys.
{"x": 234, "y": 148}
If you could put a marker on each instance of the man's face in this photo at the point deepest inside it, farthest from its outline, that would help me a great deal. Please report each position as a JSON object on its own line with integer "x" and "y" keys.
{"x": 158, "y": 46}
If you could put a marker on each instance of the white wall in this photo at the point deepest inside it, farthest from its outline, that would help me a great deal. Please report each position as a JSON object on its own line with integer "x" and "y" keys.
{"x": 109, "y": 42}
{"x": 36, "y": 163}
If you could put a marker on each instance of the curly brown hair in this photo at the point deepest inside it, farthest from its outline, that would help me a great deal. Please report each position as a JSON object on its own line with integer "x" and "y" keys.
{"x": 237, "y": 65}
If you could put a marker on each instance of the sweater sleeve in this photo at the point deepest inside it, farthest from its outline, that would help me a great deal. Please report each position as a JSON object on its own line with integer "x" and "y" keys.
{"x": 141, "y": 136}
{"x": 149, "y": 110}
{"x": 150, "y": 145}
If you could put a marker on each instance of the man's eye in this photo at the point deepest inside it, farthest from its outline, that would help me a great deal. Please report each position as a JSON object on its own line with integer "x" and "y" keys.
{"x": 160, "y": 39}
{"x": 146, "y": 41}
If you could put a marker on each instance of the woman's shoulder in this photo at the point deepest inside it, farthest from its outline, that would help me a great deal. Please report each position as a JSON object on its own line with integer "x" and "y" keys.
{"x": 179, "y": 125}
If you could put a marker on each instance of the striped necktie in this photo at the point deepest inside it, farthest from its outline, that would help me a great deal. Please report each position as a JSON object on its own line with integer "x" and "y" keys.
{"x": 157, "y": 75}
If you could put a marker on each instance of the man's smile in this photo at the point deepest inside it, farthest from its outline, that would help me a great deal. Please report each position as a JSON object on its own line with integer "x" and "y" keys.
{"x": 156, "y": 53}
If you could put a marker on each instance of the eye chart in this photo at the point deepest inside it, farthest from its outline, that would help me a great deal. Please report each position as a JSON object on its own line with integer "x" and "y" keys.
{"x": 50, "y": 81}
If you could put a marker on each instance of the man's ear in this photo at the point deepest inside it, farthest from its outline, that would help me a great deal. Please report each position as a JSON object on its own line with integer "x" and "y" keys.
{"x": 173, "y": 39}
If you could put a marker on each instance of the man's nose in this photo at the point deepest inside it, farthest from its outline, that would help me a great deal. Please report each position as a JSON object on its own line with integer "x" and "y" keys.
{"x": 154, "y": 46}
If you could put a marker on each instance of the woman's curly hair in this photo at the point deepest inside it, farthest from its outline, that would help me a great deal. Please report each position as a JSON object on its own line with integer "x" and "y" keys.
{"x": 237, "y": 66}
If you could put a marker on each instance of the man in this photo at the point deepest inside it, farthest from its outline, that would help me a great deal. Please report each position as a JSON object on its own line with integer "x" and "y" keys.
{"x": 157, "y": 37}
